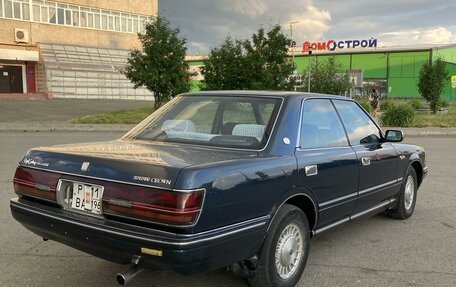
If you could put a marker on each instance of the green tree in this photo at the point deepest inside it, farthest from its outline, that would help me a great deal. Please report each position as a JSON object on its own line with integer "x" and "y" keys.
{"x": 258, "y": 64}
{"x": 225, "y": 67}
{"x": 160, "y": 66}
{"x": 327, "y": 78}
{"x": 431, "y": 82}
{"x": 267, "y": 60}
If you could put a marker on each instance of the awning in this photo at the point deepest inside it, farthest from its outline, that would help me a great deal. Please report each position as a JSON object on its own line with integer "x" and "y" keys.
{"x": 19, "y": 55}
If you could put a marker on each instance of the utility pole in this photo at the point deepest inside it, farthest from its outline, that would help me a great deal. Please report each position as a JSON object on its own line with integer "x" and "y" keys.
{"x": 310, "y": 69}
{"x": 293, "y": 44}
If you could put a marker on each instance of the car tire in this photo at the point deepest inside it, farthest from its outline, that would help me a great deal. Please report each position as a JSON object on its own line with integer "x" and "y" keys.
{"x": 407, "y": 197}
{"x": 285, "y": 250}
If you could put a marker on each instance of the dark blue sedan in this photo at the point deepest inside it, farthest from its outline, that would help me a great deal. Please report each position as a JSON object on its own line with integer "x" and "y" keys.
{"x": 214, "y": 179}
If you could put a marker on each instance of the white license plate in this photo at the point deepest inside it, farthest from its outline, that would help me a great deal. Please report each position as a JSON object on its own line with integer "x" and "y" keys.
{"x": 87, "y": 197}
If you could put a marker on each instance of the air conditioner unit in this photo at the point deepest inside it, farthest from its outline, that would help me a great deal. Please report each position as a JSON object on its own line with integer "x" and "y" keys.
{"x": 21, "y": 35}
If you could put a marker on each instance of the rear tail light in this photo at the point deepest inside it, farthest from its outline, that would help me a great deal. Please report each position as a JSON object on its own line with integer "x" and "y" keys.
{"x": 36, "y": 183}
{"x": 169, "y": 207}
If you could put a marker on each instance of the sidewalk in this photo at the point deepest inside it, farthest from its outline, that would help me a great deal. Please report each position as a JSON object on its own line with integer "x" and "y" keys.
{"x": 53, "y": 115}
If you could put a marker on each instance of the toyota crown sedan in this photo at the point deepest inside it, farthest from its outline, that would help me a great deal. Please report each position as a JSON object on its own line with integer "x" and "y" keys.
{"x": 231, "y": 179}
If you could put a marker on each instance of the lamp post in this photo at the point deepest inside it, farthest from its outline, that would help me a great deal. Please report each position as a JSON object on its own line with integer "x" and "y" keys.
{"x": 310, "y": 69}
{"x": 293, "y": 44}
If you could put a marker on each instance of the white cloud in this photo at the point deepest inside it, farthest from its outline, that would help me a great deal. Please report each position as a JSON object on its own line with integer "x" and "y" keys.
{"x": 435, "y": 35}
{"x": 313, "y": 23}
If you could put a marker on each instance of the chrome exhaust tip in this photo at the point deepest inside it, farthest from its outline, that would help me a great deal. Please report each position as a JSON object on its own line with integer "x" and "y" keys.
{"x": 133, "y": 268}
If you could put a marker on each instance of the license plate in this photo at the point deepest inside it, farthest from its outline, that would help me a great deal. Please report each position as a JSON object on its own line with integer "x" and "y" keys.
{"x": 87, "y": 197}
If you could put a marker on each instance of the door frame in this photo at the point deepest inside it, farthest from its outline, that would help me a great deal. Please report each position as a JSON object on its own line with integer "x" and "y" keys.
{"x": 24, "y": 75}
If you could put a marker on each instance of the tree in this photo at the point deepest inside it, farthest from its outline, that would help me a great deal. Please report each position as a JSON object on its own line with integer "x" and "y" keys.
{"x": 257, "y": 64}
{"x": 431, "y": 81}
{"x": 268, "y": 62}
{"x": 225, "y": 67}
{"x": 160, "y": 66}
{"x": 328, "y": 78}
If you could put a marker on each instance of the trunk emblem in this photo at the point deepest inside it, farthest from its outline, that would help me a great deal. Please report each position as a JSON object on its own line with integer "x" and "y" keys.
{"x": 85, "y": 166}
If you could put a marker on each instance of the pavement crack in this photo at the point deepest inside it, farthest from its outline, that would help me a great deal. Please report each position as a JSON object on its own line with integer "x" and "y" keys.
{"x": 375, "y": 270}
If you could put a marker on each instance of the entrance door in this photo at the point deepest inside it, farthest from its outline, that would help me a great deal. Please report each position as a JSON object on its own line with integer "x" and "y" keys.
{"x": 11, "y": 79}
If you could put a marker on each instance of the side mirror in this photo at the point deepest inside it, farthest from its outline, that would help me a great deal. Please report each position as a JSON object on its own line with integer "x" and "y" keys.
{"x": 394, "y": 136}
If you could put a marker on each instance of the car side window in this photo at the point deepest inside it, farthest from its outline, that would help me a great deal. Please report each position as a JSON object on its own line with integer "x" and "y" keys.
{"x": 320, "y": 125}
{"x": 360, "y": 128}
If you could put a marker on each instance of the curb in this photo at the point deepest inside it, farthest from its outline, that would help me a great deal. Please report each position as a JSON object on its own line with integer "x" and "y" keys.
{"x": 63, "y": 127}
{"x": 123, "y": 128}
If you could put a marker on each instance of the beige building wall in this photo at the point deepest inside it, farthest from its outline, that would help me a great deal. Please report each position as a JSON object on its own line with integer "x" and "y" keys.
{"x": 67, "y": 35}
{"x": 76, "y": 62}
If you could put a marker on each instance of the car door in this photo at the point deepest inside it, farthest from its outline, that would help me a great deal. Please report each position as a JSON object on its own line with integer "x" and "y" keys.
{"x": 327, "y": 165}
{"x": 377, "y": 160}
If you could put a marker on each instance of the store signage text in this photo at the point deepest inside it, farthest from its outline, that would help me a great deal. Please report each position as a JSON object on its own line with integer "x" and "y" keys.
{"x": 332, "y": 45}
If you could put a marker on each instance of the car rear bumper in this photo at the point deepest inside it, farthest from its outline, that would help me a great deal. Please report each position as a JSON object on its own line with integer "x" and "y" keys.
{"x": 185, "y": 254}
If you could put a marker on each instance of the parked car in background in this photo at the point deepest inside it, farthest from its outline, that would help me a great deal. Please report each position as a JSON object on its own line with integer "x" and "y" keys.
{"x": 214, "y": 179}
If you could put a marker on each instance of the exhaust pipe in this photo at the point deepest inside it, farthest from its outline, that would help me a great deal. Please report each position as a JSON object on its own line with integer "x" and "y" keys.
{"x": 132, "y": 269}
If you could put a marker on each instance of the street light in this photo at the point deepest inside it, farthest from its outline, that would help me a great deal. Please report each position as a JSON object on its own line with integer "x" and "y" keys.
{"x": 310, "y": 69}
{"x": 293, "y": 44}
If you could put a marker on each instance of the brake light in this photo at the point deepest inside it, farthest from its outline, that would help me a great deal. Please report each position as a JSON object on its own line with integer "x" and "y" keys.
{"x": 35, "y": 183}
{"x": 170, "y": 207}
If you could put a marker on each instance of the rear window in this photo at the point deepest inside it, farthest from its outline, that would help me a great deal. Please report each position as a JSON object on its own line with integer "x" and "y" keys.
{"x": 226, "y": 121}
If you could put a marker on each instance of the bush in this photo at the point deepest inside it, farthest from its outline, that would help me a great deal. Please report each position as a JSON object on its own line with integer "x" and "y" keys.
{"x": 400, "y": 115}
{"x": 416, "y": 104}
{"x": 386, "y": 105}
{"x": 444, "y": 103}
{"x": 366, "y": 105}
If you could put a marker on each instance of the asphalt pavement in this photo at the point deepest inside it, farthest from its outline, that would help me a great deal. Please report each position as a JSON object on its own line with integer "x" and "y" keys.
{"x": 374, "y": 251}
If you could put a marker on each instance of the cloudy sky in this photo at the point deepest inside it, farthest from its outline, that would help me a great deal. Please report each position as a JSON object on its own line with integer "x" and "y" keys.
{"x": 394, "y": 22}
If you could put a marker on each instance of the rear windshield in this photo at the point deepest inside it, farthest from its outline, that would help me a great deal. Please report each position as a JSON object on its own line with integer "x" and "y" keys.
{"x": 234, "y": 122}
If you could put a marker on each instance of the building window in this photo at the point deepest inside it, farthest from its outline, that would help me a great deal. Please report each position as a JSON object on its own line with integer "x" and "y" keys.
{"x": 43, "y": 11}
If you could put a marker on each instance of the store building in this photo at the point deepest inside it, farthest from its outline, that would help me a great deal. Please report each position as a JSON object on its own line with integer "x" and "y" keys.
{"x": 70, "y": 48}
{"x": 393, "y": 71}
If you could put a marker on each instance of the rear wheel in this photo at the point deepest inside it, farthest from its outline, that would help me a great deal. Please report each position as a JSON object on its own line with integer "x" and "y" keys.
{"x": 407, "y": 198}
{"x": 284, "y": 254}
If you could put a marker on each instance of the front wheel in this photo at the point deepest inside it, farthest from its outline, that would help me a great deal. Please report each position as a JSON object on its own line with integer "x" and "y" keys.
{"x": 407, "y": 197}
{"x": 284, "y": 254}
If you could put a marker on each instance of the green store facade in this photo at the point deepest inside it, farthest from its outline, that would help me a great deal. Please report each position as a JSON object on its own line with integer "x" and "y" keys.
{"x": 392, "y": 71}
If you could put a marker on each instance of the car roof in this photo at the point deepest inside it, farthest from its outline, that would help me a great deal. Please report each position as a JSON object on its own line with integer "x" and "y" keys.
{"x": 282, "y": 94}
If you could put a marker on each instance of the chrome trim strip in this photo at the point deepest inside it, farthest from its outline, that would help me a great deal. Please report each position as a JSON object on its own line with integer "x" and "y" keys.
{"x": 332, "y": 225}
{"x": 400, "y": 179}
{"x": 290, "y": 197}
{"x": 323, "y": 204}
{"x": 378, "y": 186}
{"x": 137, "y": 237}
{"x": 359, "y": 214}
{"x": 354, "y": 216}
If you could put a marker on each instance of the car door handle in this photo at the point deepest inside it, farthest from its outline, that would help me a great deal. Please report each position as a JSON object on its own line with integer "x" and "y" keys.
{"x": 311, "y": 170}
{"x": 366, "y": 161}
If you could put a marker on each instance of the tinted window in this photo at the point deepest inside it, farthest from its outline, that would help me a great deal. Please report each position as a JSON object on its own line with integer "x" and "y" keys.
{"x": 321, "y": 127}
{"x": 240, "y": 122}
{"x": 360, "y": 128}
